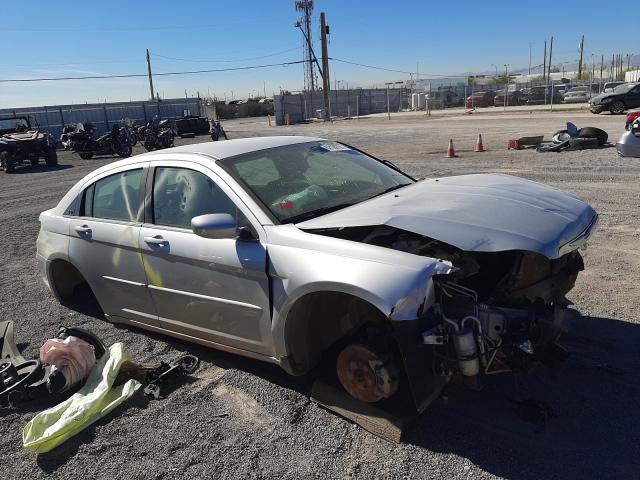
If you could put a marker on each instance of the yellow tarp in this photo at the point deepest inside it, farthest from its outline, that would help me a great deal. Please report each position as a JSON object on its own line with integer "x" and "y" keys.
{"x": 94, "y": 400}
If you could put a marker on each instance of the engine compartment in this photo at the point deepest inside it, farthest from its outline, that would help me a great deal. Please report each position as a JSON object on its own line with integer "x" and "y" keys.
{"x": 494, "y": 312}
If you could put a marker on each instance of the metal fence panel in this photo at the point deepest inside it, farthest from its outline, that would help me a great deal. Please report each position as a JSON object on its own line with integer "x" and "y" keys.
{"x": 103, "y": 115}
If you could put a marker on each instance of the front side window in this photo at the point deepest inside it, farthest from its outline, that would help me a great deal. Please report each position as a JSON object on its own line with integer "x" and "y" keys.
{"x": 301, "y": 181}
{"x": 179, "y": 194}
{"x": 116, "y": 197}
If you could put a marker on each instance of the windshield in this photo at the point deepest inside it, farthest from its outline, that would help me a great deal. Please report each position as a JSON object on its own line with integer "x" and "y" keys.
{"x": 306, "y": 180}
{"x": 13, "y": 124}
{"x": 624, "y": 88}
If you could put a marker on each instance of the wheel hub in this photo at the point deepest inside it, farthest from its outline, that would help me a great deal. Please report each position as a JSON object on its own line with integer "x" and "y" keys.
{"x": 365, "y": 374}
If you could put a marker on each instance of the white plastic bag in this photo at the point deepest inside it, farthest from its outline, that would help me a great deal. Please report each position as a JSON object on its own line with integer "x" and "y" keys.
{"x": 72, "y": 356}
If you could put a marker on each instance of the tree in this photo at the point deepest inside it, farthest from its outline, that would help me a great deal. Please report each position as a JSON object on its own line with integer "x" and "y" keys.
{"x": 503, "y": 79}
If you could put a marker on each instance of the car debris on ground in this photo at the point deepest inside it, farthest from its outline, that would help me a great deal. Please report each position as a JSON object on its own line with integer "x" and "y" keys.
{"x": 75, "y": 361}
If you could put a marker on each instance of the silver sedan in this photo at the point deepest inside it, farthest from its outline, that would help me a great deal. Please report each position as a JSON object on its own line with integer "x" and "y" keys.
{"x": 297, "y": 250}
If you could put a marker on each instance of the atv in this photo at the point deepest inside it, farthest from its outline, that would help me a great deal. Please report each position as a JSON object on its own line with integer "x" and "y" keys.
{"x": 20, "y": 143}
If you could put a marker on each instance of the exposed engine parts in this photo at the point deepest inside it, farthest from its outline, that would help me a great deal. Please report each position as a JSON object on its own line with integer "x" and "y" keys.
{"x": 477, "y": 337}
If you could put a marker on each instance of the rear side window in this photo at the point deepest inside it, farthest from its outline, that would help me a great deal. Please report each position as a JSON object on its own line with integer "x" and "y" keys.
{"x": 116, "y": 197}
{"x": 179, "y": 194}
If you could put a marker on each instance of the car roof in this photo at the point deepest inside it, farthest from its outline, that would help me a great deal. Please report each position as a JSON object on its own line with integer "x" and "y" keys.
{"x": 230, "y": 148}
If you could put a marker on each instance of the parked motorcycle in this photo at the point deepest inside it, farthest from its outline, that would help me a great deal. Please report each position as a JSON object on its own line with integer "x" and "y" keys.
{"x": 130, "y": 131}
{"x": 216, "y": 131}
{"x": 158, "y": 135}
{"x": 83, "y": 142}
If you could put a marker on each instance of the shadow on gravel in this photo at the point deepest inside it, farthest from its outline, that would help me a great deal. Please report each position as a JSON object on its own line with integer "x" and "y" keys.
{"x": 590, "y": 428}
{"x": 593, "y": 426}
{"x": 40, "y": 169}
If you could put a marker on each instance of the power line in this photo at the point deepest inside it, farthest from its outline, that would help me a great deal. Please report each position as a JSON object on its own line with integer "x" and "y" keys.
{"x": 94, "y": 28}
{"x": 396, "y": 71}
{"x": 226, "y": 61}
{"x": 160, "y": 74}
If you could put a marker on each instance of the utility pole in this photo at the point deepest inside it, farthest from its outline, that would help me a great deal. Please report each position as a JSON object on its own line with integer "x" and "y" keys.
{"x": 580, "y": 63}
{"x": 506, "y": 86}
{"x": 529, "y": 59}
{"x": 324, "y": 28}
{"x": 150, "y": 77}
{"x": 550, "y": 57}
{"x": 544, "y": 64}
{"x": 601, "y": 68}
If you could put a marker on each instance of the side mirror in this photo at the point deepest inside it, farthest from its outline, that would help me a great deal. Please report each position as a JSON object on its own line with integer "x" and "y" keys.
{"x": 214, "y": 225}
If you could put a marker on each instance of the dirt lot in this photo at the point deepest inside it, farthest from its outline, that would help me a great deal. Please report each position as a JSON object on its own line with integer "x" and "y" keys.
{"x": 272, "y": 430}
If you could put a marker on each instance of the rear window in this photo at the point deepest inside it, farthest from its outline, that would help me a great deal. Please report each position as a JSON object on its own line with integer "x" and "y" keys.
{"x": 116, "y": 197}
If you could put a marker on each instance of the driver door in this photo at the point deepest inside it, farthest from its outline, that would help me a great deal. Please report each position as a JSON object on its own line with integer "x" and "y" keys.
{"x": 213, "y": 289}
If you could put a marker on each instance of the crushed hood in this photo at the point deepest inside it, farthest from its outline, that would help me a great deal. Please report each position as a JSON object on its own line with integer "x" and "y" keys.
{"x": 479, "y": 213}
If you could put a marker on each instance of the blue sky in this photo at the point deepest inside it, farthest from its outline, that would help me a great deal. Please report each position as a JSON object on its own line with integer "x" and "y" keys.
{"x": 74, "y": 38}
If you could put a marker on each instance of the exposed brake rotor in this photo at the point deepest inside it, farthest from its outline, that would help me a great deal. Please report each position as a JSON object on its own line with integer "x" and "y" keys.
{"x": 366, "y": 375}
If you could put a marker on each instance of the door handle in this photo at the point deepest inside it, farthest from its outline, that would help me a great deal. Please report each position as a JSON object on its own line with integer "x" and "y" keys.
{"x": 82, "y": 229}
{"x": 156, "y": 240}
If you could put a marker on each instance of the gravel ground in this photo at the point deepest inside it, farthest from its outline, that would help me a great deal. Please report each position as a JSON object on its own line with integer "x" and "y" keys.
{"x": 238, "y": 418}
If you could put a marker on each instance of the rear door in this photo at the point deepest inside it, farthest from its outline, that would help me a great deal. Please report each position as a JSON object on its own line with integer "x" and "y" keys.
{"x": 104, "y": 243}
{"x": 213, "y": 289}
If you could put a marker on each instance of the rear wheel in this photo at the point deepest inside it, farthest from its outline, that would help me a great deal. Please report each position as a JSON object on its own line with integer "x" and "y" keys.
{"x": 8, "y": 162}
{"x": 86, "y": 155}
{"x": 617, "y": 108}
{"x": 124, "y": 150}
{"x": 50, "y": 156}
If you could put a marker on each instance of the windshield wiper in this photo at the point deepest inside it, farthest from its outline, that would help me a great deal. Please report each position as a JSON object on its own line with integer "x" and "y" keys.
{"x": 316, "y": 213}
{"x": 390, "y": 189}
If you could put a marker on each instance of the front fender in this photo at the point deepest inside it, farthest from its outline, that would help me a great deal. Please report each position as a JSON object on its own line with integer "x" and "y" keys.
{"x": 399, "y": 290}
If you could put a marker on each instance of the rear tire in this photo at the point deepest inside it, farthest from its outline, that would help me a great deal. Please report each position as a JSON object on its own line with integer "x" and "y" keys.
{"x": 617, "y": 108}
{"x": 8, "y": 162}
{"x": 50, "y": 156}
{"x": 124, "y": 150}
{"x": 86, "y": 155}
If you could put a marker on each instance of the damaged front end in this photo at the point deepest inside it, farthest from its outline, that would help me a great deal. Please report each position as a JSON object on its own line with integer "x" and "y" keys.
{"x": 493, "y": 312}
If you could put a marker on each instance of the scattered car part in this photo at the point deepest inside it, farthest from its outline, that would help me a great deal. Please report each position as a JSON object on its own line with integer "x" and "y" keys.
{"x": 22, "y": 379}
{"x": 157, "y": 378}
{"x": 94, "y": 400}
{"x": 525, "y": 142}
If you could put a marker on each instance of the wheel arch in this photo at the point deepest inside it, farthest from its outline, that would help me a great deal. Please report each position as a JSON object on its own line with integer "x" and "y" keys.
{"x": 64, "y": 277}
{"x": 318, "y": 319}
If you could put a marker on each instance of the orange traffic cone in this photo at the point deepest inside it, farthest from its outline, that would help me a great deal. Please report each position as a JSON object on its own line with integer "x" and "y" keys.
{"x": 479, "y": 145}
{"x": 451, "y": 153}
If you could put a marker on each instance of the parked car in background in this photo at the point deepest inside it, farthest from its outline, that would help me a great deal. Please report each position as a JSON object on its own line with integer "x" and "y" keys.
{"x": 609, "y": 86}
{"x": 542, "y": 95}
{"x": 294, "y": 250}
{"x": 513, "y": 98}
{"x": 622, "y": 97}
{"x": 631, "y": 116}
{"x": 580, "y": 94}
{"x": 483, "y": 98}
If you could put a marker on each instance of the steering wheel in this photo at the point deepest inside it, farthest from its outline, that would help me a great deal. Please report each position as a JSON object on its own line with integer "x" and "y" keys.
{"x": 14, "y": 377}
